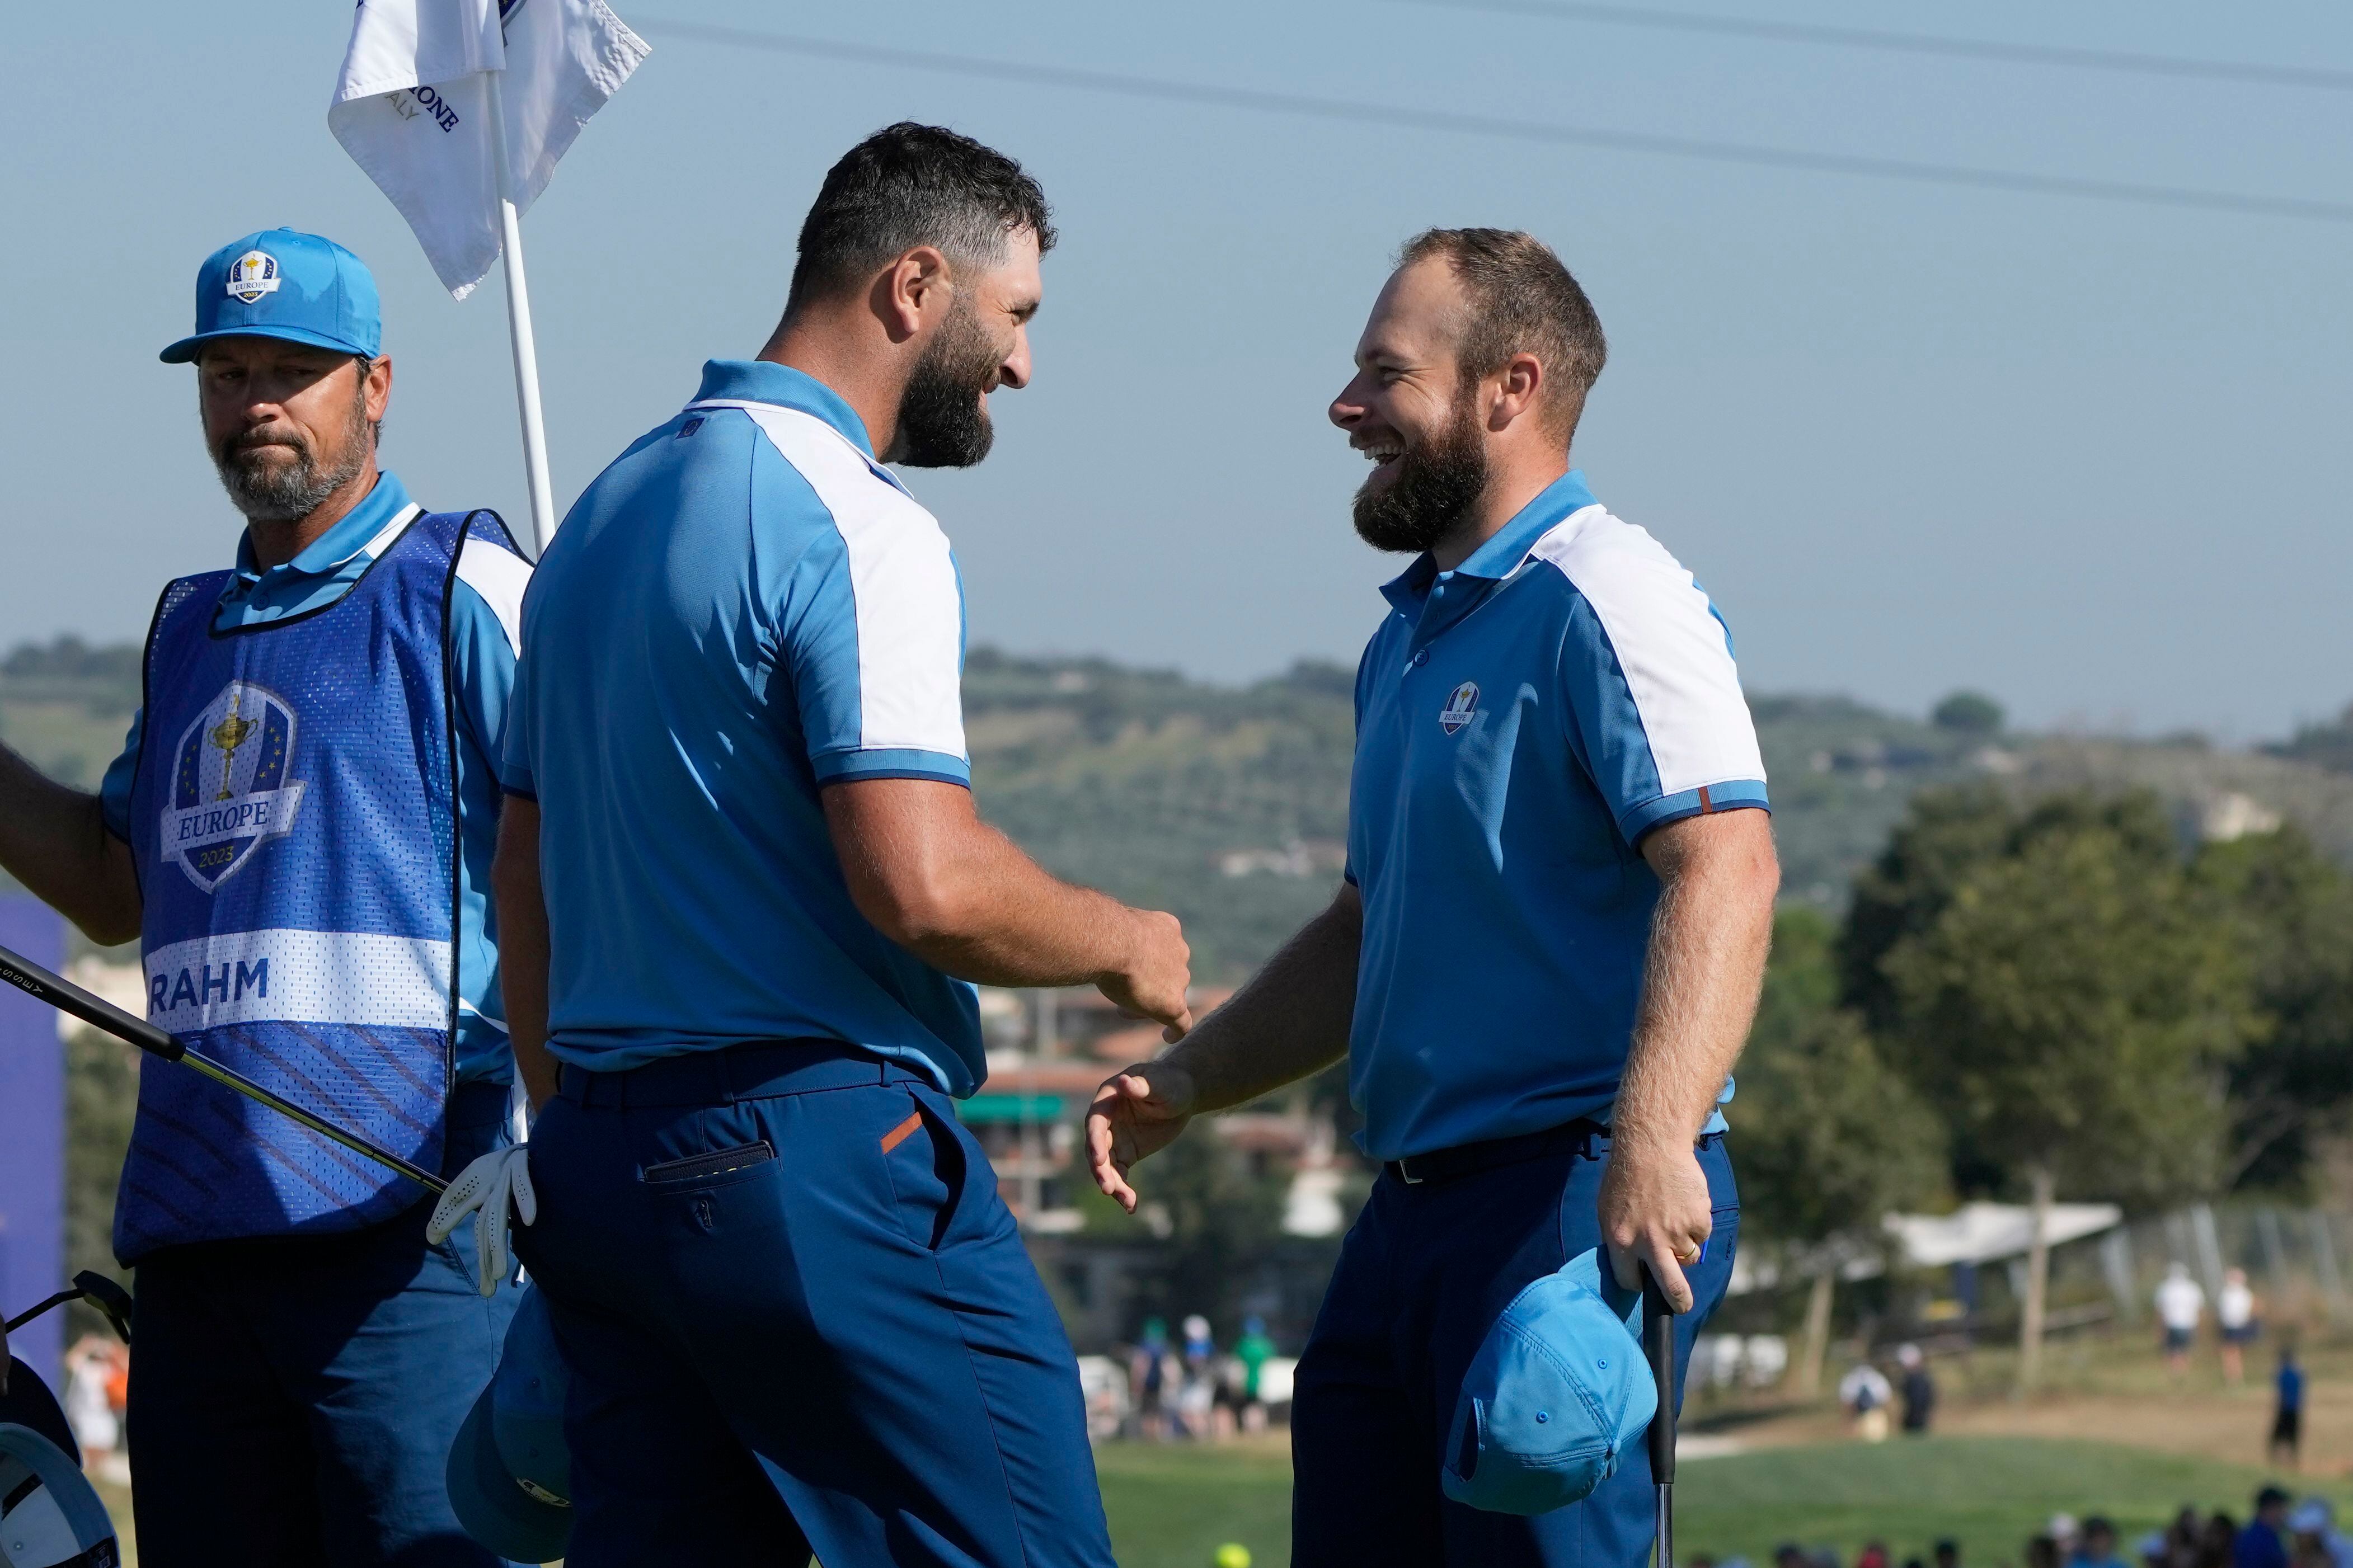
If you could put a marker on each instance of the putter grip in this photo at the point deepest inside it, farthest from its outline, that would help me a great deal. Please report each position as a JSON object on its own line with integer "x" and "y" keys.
{"x": 1659, "y": 1349}
{"x": 66, "y": 997}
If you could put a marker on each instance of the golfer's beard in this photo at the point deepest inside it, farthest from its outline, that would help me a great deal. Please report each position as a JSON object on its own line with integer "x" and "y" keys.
{"x": 273, "y": 489}
{"x": 1436, "y": 483}
{"x": 942, "y": 421}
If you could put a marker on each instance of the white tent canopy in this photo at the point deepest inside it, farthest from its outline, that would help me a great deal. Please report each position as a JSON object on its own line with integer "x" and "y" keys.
{"x": 1987, "y": 1233}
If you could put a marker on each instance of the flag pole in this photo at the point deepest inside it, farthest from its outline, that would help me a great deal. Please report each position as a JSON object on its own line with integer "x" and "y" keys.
{"x": 519, "y": 333}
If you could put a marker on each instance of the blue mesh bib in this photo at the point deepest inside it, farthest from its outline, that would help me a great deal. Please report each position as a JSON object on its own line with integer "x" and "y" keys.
{"x": 294, "y": 826}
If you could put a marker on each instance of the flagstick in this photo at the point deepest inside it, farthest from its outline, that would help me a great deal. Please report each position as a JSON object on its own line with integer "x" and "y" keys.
{"x": 518, "y": 335}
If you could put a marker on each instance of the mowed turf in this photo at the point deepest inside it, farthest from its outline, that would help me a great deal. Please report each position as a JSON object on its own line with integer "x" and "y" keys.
{"x": 1171, "y": 1506}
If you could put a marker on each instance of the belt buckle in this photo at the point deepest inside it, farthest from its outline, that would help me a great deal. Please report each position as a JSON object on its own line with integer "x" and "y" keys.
{"x": 1405, "y": 1174}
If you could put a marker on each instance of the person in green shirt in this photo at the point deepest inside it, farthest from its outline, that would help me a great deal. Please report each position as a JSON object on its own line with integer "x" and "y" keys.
{"x": 1252, "y": 1350}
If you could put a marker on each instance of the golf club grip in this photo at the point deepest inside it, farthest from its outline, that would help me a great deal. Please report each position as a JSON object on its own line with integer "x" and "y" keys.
{"x": 1659, "y": 1349}
{"x": 66, "y": 997}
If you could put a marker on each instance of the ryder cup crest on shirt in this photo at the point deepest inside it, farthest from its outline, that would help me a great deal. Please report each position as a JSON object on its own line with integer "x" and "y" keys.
{"x": 230, "y": 792}
{"x": 252, "y": 275}
{"x": 1462, "y": 707}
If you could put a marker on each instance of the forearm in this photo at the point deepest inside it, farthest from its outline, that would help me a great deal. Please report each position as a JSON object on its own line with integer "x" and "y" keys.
{"x": 1003, "y": 921}
{"x": 1706, "y": 963}
{"x": 1289, "y": 1021}
{"x": 54, "y": 840}
{"x": 523, "y": 947}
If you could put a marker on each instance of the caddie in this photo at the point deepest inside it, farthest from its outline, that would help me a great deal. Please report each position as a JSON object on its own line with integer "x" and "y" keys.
{"x": 299, "y": 831}
{"x": 1543, "y": 956}
{"x": 744, "y": 888}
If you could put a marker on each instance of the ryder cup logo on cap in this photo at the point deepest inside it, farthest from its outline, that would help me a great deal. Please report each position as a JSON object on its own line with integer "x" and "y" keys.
{"x": 1460, "y": 708}
{"x": 279, "y": 283}
{"x": 1557, "y": 1392}
{"x": 230, "y": 792}
{"x": 252, "y": 275}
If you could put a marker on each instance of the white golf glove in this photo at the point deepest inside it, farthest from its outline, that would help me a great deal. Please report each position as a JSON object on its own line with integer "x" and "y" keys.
{"x": 487, "y": 1188}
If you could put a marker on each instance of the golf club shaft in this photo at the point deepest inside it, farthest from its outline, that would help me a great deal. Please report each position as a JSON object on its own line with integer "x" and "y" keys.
{"x": 29, "y": 1314}
{"x": 97, "y": 1011}
{"x": 1659, "y": 1349}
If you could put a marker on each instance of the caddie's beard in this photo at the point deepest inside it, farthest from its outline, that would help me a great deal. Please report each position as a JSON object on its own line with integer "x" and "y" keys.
{"x": 1437, "y": 482}
{"x": 944, "y": 414}
{"x": 268, "y": 485}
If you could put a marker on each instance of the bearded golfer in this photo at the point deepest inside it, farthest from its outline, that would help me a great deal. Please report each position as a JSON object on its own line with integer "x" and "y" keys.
{"x": 299, "y": 831}
{"x": 743, "y": 889}
{"x": 1544, "y": 958}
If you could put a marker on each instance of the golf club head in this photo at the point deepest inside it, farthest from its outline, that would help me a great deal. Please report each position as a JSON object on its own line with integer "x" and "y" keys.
{"x": 112, "y": 1301}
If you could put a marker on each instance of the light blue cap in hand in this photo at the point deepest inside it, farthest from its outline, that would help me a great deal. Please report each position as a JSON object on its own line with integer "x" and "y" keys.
{"x": 1556, "y": 1394}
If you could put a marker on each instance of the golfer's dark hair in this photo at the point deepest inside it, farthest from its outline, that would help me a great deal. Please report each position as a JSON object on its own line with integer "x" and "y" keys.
{"x": 1522, "y": 300}
{"x": 911, "y": 184}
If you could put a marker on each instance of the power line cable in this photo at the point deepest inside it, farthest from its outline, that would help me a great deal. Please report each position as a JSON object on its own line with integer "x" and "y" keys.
{"x": 2172, "y": 66}
{"x": 1394, "y": 115}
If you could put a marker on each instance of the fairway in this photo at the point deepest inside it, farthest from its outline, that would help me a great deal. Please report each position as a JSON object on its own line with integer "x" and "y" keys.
{"x": 1171, "y": 1506}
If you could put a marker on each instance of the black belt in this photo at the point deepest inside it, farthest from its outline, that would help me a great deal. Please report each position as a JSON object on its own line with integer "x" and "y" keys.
{"x": 757, "y": 1069}
{"x": 1466, "y": 1159}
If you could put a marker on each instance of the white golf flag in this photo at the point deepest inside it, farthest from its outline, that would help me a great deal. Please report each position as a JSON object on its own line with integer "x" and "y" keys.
{"x": 413, "y": 109}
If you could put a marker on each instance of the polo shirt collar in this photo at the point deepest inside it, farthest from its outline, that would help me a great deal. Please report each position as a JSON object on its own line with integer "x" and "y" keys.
{"x": 350, "y": 535}
{"x": 765, "y": 381}
{"x": 1502, "y": 553}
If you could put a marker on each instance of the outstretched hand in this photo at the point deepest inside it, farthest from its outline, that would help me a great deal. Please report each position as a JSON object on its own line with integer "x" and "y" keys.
{"x": 1136, "y": 1113}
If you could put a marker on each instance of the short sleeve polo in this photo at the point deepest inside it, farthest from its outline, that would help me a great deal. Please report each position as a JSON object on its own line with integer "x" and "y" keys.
{"x": 744, "y": 609}
{"x": 1523, "y": 721}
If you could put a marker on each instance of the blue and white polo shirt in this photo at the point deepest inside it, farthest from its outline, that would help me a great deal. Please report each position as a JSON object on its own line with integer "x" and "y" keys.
{"x": 1522, "y": 721}
{"x": 744, "y": 609}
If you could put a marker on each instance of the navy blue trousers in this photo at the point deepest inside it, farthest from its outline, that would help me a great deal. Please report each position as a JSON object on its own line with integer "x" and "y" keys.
{"x": 1422, "y": 1276}
{"x": 293, "y": 1398}
{"x": 798, "y": 1316}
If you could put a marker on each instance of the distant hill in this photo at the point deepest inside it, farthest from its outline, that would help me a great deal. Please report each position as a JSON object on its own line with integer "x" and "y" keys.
{"x": 1228, "y": 805}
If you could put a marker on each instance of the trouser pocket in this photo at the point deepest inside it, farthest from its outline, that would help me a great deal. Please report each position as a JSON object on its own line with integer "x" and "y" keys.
{"x": 926, "y": 1163}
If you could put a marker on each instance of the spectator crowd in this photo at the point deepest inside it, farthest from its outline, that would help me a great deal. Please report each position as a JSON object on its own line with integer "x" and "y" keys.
{"x": 2279, "y": 1532}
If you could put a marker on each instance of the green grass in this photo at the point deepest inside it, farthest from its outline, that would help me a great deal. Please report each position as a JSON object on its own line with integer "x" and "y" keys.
{"x": 1988, "y": 1493}
{"x": 1172, "y": 1506}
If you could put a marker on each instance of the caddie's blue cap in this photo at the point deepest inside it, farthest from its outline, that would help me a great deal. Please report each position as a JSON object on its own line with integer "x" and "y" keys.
{"x": 509, "y": 1474}
{"x": 1556, "y": 1392}
{"x": 282, "y": 284}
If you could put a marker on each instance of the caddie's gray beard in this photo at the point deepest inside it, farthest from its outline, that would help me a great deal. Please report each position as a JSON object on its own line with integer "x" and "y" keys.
{"x": 276, "y": 490}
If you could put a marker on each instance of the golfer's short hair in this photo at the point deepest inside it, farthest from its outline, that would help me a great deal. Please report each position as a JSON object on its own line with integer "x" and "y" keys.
{"x": 911, "y": 184}
{"x": 1521, "y": 301}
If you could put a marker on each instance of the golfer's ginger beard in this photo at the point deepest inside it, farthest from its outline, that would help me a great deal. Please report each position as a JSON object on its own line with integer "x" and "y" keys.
{"x": 272, "y": 472}
{"x": 1438, "y": 479}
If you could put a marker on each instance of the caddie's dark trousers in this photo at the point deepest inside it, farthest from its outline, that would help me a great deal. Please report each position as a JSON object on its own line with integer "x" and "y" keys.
{"x": 293, "y": 1400}
{"x": 1424, "y": 1273}
{"x": 796, "y": 1314}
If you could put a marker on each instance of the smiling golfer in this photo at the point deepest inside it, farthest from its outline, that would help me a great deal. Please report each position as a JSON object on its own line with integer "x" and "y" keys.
{"x": 299, "y": 831}
{"x": 1549, "y": 945}
{"x": 744, "y": 888}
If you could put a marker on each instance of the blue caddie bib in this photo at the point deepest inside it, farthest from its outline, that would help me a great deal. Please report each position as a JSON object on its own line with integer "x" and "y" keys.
{"x": 294, "y": 826}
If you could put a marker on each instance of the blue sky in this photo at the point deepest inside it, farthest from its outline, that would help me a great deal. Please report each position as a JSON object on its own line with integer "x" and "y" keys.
{"x": 1911, "y": 436}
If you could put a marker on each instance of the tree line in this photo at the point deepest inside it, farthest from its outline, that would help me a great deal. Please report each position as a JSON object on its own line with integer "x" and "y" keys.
{"x": 2031, "y": 1000}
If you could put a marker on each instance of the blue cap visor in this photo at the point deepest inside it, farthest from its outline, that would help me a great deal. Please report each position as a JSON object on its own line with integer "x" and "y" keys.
{"x": 491, "y": 1504}
{"x": 185, "y": 352}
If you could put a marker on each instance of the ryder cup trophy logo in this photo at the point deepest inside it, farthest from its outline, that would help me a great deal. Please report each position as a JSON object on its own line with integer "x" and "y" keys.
{"x": 252, "y": 275}
{"x": 230, "y": 794}
{"x": 1460, "y": 708}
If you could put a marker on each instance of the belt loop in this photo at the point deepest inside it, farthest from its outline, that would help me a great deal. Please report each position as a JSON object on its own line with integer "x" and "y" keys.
{"x": 726, "y": 1064}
